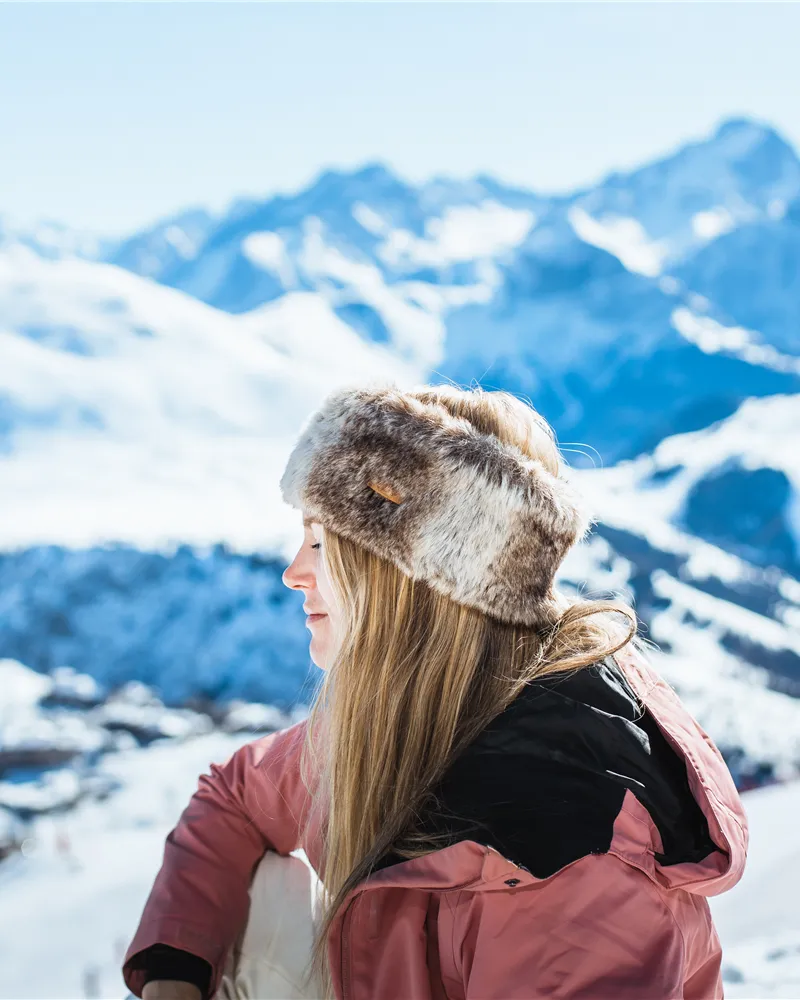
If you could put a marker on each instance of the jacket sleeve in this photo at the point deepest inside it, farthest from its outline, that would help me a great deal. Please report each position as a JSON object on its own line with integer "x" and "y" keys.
{"x": 596, "y": 930}
{"x": 199, "y": 902}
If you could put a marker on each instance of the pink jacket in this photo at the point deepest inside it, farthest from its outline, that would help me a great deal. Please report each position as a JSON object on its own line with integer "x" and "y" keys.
{"x": 584, "y": 891}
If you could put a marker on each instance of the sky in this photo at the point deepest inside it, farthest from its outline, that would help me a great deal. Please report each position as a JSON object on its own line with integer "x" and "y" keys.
{"x": 115, "y": 114}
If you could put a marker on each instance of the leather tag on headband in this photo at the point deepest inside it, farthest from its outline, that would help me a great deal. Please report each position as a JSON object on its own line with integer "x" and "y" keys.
{"x": 385, "y": 491}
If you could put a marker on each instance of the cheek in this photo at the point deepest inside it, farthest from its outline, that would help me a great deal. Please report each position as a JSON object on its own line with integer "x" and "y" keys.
{"x": 324, "y": 587}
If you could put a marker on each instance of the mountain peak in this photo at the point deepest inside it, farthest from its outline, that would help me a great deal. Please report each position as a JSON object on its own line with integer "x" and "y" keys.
{"x": 765, "y": 165}
{"x": 375, "y": 172}
{"x": 343, "y": 183}
{"x": 742, "y": 135}
{"x": 740, "y": 125}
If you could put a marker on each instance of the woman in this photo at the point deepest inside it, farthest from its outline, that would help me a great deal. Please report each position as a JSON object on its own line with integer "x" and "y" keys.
{"x": 501, "y": 798}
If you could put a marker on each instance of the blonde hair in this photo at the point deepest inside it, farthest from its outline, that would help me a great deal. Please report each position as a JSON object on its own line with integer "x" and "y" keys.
{"x": 408, "y": 689}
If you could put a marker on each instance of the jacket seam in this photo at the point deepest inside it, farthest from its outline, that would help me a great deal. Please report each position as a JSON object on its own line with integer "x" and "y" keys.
{"x": 655, "y": 890}
{"x": 646, "y": 848}
{"x": 453, "y": 913}
{"x": 684, "y": 952}
{"x": 712, "y": 793}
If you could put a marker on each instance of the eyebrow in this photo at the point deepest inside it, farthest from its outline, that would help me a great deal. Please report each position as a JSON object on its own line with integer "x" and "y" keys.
{"x": 307, "y": 522}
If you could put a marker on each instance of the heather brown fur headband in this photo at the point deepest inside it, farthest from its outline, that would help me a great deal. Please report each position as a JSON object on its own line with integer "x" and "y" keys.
{"x": 476, "y": 519}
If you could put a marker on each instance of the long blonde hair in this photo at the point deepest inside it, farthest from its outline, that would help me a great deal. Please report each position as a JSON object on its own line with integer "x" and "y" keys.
{"x": 416, "y": 677}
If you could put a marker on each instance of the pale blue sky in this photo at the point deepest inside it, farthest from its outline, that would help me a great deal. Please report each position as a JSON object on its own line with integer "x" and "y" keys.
{"x": 113, "y": 114}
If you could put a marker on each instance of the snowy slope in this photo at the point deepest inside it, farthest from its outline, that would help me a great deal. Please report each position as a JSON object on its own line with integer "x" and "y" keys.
{"x": 758, "y": 920}
{"x": 122, "y": 402}
{"x": 735, "y": 483}
{"x": 86, "y": 900}
{"x": 713, "y": 649}
{"x": 709, "y": 557}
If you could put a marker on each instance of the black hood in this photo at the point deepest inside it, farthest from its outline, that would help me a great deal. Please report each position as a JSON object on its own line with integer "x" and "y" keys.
{"x": 543, "y": 783}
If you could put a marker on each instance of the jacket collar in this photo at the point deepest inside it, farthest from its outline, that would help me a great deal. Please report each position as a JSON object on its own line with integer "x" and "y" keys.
{"x": 474, "y": 864}
{"x": 714, "y": 841}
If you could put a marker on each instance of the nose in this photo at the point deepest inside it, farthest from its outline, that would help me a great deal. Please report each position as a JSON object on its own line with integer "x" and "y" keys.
{"x": 298, "y": 574}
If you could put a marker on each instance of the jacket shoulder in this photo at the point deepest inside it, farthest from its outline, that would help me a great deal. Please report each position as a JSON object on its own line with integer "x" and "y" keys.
{"x": 263, "y": 784}
{"x": 545, "y": 781}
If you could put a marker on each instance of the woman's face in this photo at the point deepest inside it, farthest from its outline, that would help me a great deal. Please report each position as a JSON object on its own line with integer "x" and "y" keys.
{"x": 306, "y": 572}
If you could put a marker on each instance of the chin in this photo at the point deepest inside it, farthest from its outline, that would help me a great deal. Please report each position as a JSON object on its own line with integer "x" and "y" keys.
{"x": 318, "y": 657}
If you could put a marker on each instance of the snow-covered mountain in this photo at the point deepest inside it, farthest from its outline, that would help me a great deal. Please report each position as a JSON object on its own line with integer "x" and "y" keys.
{"x": 662, "y": 213}
{"x": 752, "y": 275}
{"x": 150, "y": 390}
{"x": 166, "y": 245}
{"x": 735, "y": 483}
{"x": 650, "y": 219}
{"x": 590, "y": 304}
{"x": 434, "y": 233}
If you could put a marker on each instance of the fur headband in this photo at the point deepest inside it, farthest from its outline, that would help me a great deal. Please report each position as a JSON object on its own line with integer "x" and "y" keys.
{"x": 475, "y": 518}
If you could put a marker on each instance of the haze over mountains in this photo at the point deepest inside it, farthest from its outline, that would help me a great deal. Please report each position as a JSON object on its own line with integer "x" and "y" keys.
{"x": 150, "y": 391}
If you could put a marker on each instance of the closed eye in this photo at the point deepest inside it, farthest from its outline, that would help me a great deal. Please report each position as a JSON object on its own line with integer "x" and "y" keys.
{"x": 316, "y": 546}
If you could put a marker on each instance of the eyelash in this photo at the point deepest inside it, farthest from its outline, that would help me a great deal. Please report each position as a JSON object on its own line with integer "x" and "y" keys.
{"x": 316, "y": 546}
